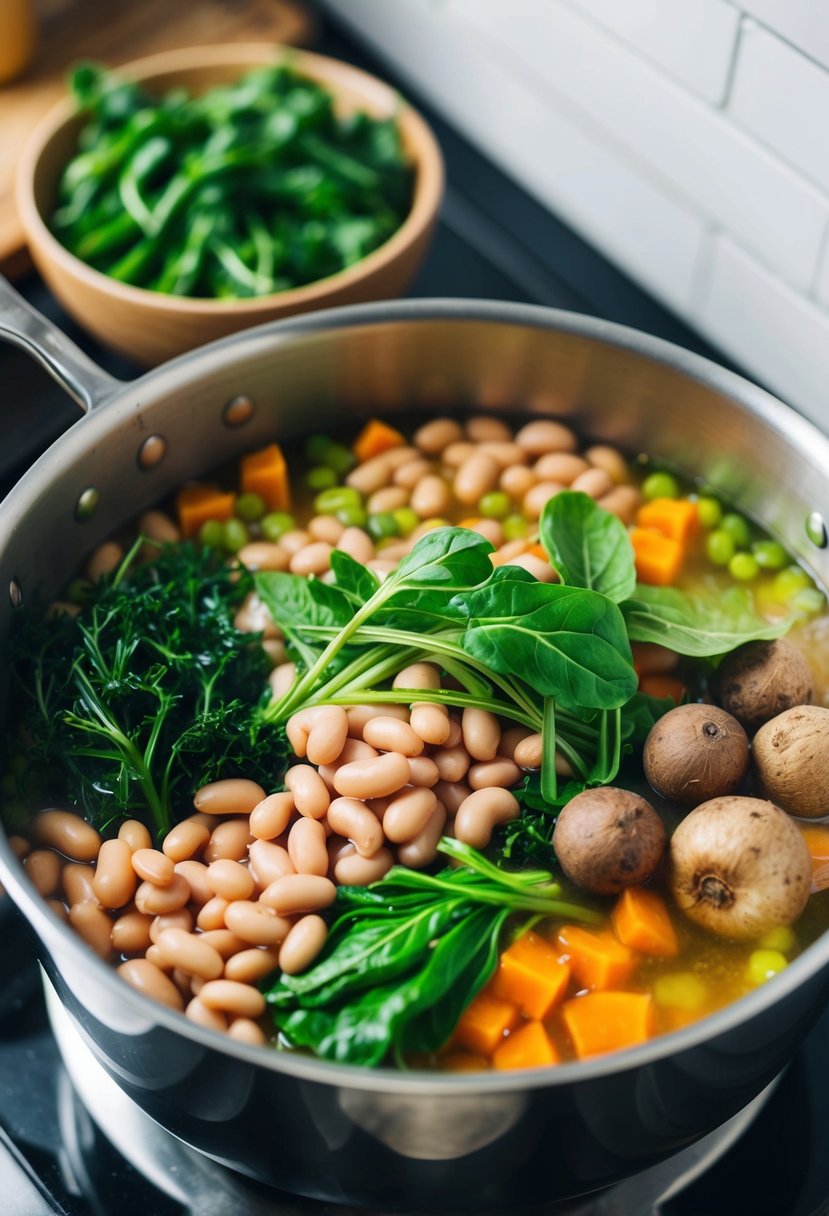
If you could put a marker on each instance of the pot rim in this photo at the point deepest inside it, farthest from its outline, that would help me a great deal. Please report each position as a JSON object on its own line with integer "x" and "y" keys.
{"x": 780, "y": 418}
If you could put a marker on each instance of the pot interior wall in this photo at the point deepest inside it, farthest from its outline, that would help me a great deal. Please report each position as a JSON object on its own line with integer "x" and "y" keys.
{"x": 308, "y": 375}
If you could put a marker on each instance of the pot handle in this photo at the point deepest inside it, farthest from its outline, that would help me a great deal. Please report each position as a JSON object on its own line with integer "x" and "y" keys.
{"x": 80, "y": 376}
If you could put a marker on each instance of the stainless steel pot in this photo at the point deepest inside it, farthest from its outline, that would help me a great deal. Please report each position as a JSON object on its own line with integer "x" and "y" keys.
{"x": 379, "y": 1137}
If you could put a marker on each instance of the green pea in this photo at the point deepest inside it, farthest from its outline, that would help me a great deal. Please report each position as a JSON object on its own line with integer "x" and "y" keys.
{"x": 782, "y": 939}
{"x": 407, "y": 520}
{"x": 494, "y": 505}
{"x": 763, "y": 964}
{"x": 250, "y": 507}
{"x": 790, "y": 580}
{"x": 339, "y": 458}
{"x": 743, "y": 566}
{"x": 660, "y": 485}
{"x": 515, "y": 527}
{"x": 719, "y": 545}
{"x": 235, "y": 535}
{"x": 320, "y": 478}
{"x": 212, "y": 534}
{"x": 770, "y": 554}
{"x": 352, "y": 517}
{"x": 382, "y": 525}
{"x": 275, "y": 523}
{"x": 807, "y": 600}
{"x": 78, "y": 590}
{"x": 329, "y": 502}
{"x": 709, "y": 512}
{"x": 737, "y": 528}
{"x": 316, "y": 447}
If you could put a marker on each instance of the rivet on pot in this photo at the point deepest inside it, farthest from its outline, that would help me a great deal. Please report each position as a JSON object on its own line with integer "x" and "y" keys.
{"x": 152, "y": 451}
{"x": 238, "y": 411}
{"x": 15, "y": 594}
{"x": 87, "y": 504}
{"x": 816, "y": 529}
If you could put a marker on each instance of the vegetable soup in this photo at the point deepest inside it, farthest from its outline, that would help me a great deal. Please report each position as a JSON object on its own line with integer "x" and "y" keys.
{"x": 471, "y": 746}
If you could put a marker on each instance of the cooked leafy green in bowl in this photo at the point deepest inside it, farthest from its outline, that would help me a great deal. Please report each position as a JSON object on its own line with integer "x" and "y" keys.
{"x": 246, "y": 190}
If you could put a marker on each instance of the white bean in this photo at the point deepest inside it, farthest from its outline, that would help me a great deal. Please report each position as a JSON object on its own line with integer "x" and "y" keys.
{"x": 478, "y": 815}
{"x": 357, "y": 544}
{"x": 422, "y": 849}
{"x": 351, "y": 818}
{"x": 436, "y": 435}
{"x": 477, "y": 475}
{"x": 261, "y": 555}
{"x": 391, "y": 735}
{"x": 595, "y": 482}
{"x": 303, "y": 943}
{"x": 481, "y": 733}
{"x": 563, "y": 467}
{"x": 312, "y": 559}
{"x": 543, "y": 435}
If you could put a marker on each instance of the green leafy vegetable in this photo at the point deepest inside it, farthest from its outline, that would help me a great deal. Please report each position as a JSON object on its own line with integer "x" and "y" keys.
{"x": 696, "y": 625}
{"x": 512, "y": 643}
{"x": 567, "y": 642}
{"x": 149, "y": 693}
{"x": 588, "y": 546}
{"x": 406, "y": 956}
{"x": 249, "y": 189}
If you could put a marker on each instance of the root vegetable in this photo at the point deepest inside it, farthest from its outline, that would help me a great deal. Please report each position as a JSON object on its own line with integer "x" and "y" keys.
{"x": 739, "y": 867}
{"x": 791, "y": 760}
{"x": 608, "y": 839}
{"x": 762, "y": 679}
{"x": 694, "y": 753}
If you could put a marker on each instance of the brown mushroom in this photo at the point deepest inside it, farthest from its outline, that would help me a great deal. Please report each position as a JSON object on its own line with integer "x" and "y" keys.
{"x": 790, "y": 755}
{"x": 696, "y": 752}
{"x": 739, "y": 867}
{"x": 607, "y": 839}
{"x": 762, "y": 679}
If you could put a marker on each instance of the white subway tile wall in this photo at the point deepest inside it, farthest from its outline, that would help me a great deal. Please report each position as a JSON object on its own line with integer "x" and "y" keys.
{"x": 692, "y": 40}
{"x": 684, "y": 138}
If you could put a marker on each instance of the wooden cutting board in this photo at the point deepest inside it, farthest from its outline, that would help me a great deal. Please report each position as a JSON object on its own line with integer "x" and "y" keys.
{"x": 113, "y": 32}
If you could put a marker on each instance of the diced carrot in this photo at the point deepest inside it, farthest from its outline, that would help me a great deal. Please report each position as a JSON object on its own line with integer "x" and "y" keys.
{"x": 662, "y": 686}
{"x": 597, "y": 960}
{"x": 265, "y": 473}
{"x": 198, "y": 504}
{"x": 607, "y": 1021}
{"x": 375, "y": 438}
{"x": 531, "y": 975}
{"x": 528, "y": 1047}
{"x": 641, "y": 921}
{"x": 817, "y": 842}
{"x": 484, "y": 1023}
{"x": 658, "y": 558}
{"x": 677, "y": 518}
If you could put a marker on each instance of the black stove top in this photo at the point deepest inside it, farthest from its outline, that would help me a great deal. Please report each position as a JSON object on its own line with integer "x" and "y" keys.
{"x": 493, "y": 241}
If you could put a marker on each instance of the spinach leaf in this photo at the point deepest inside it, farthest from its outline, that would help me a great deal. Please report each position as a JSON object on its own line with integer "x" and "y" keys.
{"x": 294, "y": 601}
{"x": 588, "y": 546}
{"x": 699, "y": 625}
{"x": 565, "y": 642}
{"x": 353, "y": 579}
{"x": 452, "y": 559}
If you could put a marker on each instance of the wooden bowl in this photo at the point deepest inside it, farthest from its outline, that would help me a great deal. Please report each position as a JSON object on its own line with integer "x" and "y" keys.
{"x": 149, "y": 326}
